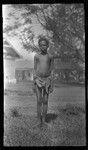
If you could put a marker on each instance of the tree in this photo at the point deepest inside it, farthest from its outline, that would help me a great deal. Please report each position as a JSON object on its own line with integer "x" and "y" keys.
{"x": 19, "y": 26}
{"x": 64, "y": 24}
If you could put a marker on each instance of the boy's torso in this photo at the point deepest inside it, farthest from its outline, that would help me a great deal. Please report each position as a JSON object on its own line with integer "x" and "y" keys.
{"x": 43, "y": 65}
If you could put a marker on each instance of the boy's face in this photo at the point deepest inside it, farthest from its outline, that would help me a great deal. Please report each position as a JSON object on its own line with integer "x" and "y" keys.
{"x": 43, "y": 46}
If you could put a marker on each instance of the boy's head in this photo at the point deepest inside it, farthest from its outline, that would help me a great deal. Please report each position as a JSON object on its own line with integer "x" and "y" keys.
{"x": 43, "y": 44}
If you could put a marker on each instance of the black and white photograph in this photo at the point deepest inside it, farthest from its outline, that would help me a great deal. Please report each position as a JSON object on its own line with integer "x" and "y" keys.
{"x": 44, "y": 74}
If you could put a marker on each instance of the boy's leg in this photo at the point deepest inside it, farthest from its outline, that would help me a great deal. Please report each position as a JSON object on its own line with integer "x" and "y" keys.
{"x": 45, "y": 105}
{"x": 39, "y": 102}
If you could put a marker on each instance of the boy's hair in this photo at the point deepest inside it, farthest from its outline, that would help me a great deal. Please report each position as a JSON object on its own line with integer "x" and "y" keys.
{"x": 43, "y": 39}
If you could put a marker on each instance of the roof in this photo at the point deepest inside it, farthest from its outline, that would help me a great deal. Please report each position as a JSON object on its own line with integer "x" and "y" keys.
{"x": 8, "y": 50}
{"x": 5, "y": 42}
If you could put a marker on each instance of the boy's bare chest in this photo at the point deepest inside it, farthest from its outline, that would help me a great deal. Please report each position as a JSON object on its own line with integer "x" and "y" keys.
{"x": 43, "y": 64}
{"x": 43, "y": 59}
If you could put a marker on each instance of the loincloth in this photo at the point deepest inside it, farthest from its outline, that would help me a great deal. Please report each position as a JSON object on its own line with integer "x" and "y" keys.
{"x": 44, "y": 83}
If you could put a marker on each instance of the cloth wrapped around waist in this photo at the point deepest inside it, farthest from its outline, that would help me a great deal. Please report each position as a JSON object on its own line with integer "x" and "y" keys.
{"x": 45, "y": 83}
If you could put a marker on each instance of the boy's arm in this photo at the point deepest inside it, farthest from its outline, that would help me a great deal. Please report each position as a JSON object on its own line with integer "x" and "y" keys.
{"x": 35, "y": 62}
{"x": 52, "y": 65}
{"x": 35, "y": 67}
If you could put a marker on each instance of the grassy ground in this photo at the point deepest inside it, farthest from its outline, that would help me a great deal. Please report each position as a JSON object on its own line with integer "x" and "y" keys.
{"x": 65, "y": 119}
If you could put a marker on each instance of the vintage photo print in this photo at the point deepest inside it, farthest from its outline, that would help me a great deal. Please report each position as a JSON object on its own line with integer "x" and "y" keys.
{"x": 44, "y": 74}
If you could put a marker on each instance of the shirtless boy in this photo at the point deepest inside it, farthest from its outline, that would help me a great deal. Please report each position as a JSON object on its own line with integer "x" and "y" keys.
{"x": 43, "y": 66}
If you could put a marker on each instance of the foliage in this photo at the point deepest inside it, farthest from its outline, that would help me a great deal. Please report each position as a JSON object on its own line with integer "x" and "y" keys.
{"x": 64, "y": 24}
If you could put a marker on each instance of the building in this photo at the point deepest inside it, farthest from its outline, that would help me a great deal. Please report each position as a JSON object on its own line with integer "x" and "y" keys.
{"x": 24, "y": 70}
{"x": 20, "y": 69}
{"x": 16, "y": 68}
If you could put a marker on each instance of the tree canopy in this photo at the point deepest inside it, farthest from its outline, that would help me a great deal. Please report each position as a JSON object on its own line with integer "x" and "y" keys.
{"x": 63, "y": 23}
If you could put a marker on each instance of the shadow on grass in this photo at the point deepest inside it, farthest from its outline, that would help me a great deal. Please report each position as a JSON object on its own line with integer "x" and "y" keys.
{"x": 50, "y": 117}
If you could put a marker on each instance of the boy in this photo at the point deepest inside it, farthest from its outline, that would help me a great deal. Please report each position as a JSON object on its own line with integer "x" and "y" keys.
{"x": 43, "y": 65}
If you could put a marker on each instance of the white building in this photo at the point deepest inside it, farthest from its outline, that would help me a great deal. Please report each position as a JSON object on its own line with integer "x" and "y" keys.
{"x": 15, "y": 65}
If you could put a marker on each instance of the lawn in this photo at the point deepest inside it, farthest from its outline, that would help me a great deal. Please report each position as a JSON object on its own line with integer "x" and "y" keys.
{"x": 65, "y": 121}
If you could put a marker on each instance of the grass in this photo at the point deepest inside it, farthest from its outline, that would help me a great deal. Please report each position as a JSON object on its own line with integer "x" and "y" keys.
{"x": 65, "y": 119}
{"x": 62, "y": 129}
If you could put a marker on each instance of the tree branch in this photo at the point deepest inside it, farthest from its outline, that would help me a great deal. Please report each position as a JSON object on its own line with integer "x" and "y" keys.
{"x": 69, "y": 46}
{"x": 43, "y": 14}
{"x": 53, "y": 12}
{"x": 39, "y": 20}
{"x": 76, "y": 32}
